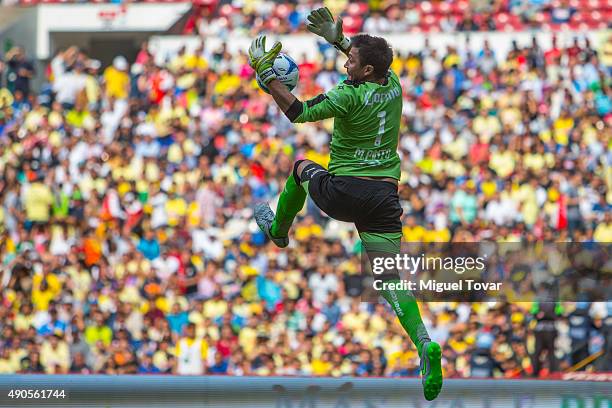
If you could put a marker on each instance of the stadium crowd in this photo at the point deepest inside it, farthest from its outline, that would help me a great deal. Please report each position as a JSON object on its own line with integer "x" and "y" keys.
{"x": 393, "y": 16}
{"x": 213, "y": 17}
{"x": 127, "y": 242}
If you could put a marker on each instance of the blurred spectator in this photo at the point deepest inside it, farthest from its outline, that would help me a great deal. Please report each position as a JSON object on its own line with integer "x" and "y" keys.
{"x": 468, "y": 22}
{"x": 149, "y": 246}
{"x": 116, "y": 79}
{"x": 8, "y": 364}
{"x": 545, "y": 336}
{"x": 191, "y": 352}
{"x": 580, "y": 325}
{"x": 38, "y": 199}
{"x": 482, "y": 365}
{"x": 19, "y": 72}
{"x": 79, "y": 365}
{"x": 98, "y": 331}
{"x": 54, "y": 355}
{"x": 31, "y": 364}
{"x": 146, "y": 365}
{"x": 563, "y": 12}
{"x": 68, "y": 84}
{"x": 220, "y": 366}
{"x": 177, "y": 319}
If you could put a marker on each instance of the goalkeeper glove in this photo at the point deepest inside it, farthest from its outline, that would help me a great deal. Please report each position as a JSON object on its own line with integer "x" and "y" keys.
{"x": 321, "y": 22}
{"x": 262, "y": 61}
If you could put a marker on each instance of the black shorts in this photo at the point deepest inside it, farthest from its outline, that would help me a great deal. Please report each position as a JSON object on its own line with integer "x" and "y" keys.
{"x": 372, "y": 205}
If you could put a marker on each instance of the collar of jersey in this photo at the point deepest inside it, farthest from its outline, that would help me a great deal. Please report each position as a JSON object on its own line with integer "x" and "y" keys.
{"x": 357, "y": 83}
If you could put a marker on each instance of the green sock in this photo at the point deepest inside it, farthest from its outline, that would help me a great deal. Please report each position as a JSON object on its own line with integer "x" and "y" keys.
{"x": 290, "y": 203}
{"x": 402, "y": 301}
{"x": 405, "y": 306}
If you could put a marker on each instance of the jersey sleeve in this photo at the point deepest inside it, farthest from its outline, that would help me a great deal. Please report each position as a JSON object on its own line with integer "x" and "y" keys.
{"x": 336, "y": 103}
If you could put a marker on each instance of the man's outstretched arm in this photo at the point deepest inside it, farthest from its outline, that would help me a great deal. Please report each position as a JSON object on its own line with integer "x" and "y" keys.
{"x": 321, "y": 22}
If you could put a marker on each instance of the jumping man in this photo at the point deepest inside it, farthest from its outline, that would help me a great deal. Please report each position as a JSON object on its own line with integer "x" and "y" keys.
{"x": 361, "y": 185}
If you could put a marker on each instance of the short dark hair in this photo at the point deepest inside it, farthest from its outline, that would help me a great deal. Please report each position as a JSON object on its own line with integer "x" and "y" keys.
{"x": 374, "y": 51}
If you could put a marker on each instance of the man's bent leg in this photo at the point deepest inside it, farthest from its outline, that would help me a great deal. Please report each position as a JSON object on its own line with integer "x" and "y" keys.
{"x": 290, "y": 203}
{"x": 406, "y": 308}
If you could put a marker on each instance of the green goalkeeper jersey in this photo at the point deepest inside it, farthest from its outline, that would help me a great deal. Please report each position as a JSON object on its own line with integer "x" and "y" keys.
{"x": 366, "y": 126}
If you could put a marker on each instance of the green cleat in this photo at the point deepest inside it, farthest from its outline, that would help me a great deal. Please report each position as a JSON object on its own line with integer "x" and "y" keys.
{"x": 264, "y": 217}
{"x": 431, "y": 370}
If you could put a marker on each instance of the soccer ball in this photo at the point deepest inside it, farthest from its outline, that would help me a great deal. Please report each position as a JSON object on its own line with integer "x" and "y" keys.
{"x": 286, "y": 71}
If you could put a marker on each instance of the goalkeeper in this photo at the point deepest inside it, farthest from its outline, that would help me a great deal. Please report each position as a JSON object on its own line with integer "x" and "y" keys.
{"x": 361, "y": 185}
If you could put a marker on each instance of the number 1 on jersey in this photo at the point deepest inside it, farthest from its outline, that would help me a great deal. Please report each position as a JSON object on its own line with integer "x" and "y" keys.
{"x": 381, "y": 127}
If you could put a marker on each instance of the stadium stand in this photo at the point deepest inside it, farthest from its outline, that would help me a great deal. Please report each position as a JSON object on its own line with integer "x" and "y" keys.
{"x": 393, "y": 16}
{"x": 126, "y": 193}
